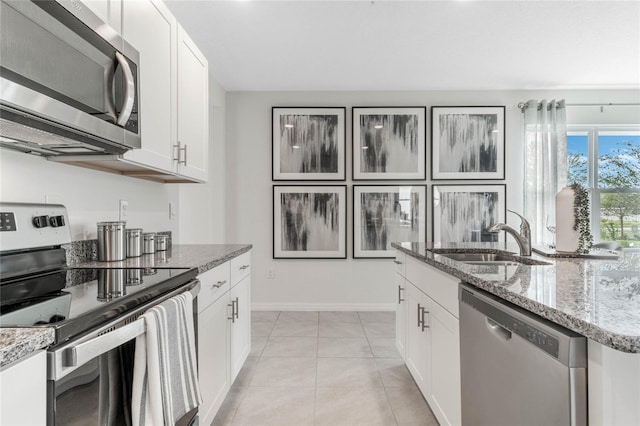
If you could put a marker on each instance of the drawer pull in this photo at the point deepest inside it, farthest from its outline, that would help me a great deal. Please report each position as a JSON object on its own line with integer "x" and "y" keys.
{"x": 243, "y": 267}
{"x": 400, "y": 299}
{"x": 219, "y": 284}
{"x": 397, "y": 262}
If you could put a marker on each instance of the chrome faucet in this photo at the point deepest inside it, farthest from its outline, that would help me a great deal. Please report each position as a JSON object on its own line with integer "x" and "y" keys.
{"x": 523, "y": 238}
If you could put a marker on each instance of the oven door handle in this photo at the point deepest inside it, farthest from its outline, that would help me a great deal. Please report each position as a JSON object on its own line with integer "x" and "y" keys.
{"x": 83, "y": 352}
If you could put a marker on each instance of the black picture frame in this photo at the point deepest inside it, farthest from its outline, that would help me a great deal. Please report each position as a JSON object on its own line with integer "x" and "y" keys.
{"x": 308, "y": 143}
{"x": 387, "y": 213}
{"x": 389, "y": 143}
{"x": 467, "y": 215}
{"x": 309, "y": 221}
{"x": 468, "y": 142}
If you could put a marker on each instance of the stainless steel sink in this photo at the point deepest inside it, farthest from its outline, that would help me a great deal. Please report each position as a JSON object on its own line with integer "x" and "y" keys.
{"x": 475, "y": 258}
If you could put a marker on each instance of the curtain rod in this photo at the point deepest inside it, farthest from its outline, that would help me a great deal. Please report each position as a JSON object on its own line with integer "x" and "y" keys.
{"x": 522, "y": 105}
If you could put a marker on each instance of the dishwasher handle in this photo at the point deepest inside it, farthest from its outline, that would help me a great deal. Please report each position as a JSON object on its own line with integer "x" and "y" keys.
{"x": 497, "y": 330}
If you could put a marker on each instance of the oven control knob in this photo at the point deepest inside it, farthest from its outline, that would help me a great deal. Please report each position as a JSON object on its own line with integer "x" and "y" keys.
{"x": 40, "y": 221}
{"x": 56, "y": 221}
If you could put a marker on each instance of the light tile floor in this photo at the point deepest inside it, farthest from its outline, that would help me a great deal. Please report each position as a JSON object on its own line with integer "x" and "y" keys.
{"x": 324, "y": 369}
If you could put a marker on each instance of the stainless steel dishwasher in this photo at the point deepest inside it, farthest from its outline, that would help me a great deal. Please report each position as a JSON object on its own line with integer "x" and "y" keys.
{"x": 518, "y": 369}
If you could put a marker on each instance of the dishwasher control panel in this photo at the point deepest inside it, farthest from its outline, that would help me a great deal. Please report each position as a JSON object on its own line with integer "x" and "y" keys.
{"x": 545, "y": 341}
{"x": 534, "y": 335}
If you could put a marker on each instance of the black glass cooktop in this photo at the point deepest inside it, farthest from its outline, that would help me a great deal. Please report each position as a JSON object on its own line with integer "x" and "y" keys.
{"x": 100, "y": 296}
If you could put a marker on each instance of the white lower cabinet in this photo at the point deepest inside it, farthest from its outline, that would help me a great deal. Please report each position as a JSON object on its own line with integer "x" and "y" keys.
{"x": 418, "y": 345}
{"x": 241, "y": 325}
{"x": 224, "y": 335}
{"x": 432, "y": 338}
{"x": 23, "y": 387}
{"x": 401, "y": 323}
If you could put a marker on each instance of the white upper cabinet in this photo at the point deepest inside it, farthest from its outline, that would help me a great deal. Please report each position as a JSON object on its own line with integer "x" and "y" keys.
{"x": 193, "y": 109}
{"x": 110, "y": 11}
{"x": 151, "y": 29}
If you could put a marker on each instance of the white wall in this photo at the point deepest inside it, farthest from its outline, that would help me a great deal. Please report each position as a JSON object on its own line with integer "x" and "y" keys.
{"x": 92, "y": 196}
{"x": 351, "y": 283}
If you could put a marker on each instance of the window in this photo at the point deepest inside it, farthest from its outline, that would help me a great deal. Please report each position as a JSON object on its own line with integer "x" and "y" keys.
{"x": 606, "y": 160}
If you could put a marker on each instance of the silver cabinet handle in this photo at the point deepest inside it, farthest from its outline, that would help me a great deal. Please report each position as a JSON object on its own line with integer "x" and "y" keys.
{"x": 400, "y": 299}
{"x": 233, "y": 311}
{"x": 185, "y": 155}
{"x": 420, "y": 320}
{"x": 237, "y": 305}
{"x": 176, "y": 157}
{"x": 397, "y": 262}
{"x": 243, "y": 267}
{"x": 219, "y": 284}
{"x": 83, "y": 352}
{"x": 129, "y": 90}
{"x": 424, "y": 324}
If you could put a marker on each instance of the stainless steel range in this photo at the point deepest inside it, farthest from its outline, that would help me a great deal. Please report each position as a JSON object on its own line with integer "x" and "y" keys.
{"x": 93, "y": 313}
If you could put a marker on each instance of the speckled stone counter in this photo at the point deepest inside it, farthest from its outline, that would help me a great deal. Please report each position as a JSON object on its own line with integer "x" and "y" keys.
{"x": 201, "y": 256}
{"x": 16, "y": 343}
{"x": 597, "y": 298}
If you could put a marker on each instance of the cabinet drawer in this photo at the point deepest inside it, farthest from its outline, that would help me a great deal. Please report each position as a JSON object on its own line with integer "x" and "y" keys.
{"x": 214, "y": 283}
{"x": 440, "y": 286}
{"x": 240, "y": 267}
{"x": 400, "y": 262}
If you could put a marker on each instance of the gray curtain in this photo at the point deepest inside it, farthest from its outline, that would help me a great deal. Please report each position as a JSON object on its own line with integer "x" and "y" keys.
{"x": 545, "y": 136}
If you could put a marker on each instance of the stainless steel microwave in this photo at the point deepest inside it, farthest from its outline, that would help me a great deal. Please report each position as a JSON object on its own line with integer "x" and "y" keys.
{"x": 69, "y": 83}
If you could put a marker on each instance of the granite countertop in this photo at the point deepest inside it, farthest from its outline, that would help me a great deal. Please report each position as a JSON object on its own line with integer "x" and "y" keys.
{"x": 18, "y": 342}
{"x": 598, "y": 298}
{"x": 201, "y": 256}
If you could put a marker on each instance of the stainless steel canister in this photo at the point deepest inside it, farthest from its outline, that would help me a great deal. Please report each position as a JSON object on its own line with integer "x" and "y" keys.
{"x": 111, "y": 241}
{"x": 162, "y": 242}
{"x": 110, "y": 284}
{"x": 149, "y": 242}
{"x": 133, "y": 238}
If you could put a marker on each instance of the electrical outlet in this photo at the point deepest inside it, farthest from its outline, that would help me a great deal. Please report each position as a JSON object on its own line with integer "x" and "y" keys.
{"x": 124, "y": 207}
{"x": 172, "y": 212}
{"x": 271, "y": 274}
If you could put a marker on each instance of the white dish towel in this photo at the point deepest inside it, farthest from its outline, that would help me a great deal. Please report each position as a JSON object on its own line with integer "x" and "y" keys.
{"x": 165, "y": 376}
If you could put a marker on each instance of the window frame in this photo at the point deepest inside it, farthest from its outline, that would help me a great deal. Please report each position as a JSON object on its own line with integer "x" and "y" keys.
{"x": 593, "y": 132}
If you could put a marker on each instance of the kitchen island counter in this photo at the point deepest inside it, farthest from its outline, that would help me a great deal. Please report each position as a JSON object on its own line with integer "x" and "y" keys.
{"x": 597, "y": 298}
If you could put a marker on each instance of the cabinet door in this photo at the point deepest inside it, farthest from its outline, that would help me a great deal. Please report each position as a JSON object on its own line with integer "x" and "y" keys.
{"x": 149, "y": 27}
{"x": 401, "y": 316}
{"x": 193, "y": 109}
{"x": 417, "y": 351}
{"x": 24, "y": 392}
{"x": 444, "y": 391}
{"x": 241, "y": 325}
{"x": 214, "y": 333}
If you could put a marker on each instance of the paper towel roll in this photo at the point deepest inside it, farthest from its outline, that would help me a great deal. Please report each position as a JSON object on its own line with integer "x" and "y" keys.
{"x": 567, "y": 238}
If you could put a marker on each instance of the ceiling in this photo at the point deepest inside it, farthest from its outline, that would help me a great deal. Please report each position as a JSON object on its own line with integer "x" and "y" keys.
{"x": 416, "y": 45}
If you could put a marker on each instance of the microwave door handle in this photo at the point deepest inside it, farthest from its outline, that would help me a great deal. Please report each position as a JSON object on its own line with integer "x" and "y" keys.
{"x": 129, "y": 90}
{"x": 109, "y": 76}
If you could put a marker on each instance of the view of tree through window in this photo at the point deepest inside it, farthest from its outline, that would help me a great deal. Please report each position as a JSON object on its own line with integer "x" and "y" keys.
{"x": 607, "y": 161}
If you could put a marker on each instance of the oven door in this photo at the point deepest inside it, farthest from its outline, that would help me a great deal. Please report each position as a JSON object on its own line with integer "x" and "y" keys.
{"x": 90, "y": 378}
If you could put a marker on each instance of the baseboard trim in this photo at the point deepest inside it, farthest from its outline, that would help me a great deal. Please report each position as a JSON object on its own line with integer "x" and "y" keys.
{"x": 323, "y": 307}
